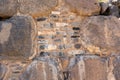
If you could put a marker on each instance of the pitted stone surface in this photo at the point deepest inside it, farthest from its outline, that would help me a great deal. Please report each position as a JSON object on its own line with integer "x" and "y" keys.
{"x": 83, "y": 7}
{"x": 8, "y": 8}
{"x": 101, "y": 32}
{"x": 37, "y": 8}
{"x": 17, "y": 36}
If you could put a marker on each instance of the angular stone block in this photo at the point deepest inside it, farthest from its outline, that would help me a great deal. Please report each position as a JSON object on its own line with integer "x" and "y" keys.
{"x": 35, "y": 8}
{"x": 101, "y": 33}
{"x": 89, "y": 68}
{"x": 18, "y": 37}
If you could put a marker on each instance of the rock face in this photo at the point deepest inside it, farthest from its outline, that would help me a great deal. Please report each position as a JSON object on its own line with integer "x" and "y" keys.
{"x": 116, "y": 68}
{"x": 102, "y": 32}
{"x": 83, "y": 7}
{"x": 17, "y": 37}
{"x": 61, "y": 46}
{"x": 3, "y": 71}
{"x": 87, "y": 67}
{"x": 39, "y": 70}
{"x": 37, "y": 7}
{"x": 8, "y": 8}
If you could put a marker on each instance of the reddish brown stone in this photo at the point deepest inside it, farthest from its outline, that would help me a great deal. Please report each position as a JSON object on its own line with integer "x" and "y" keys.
{"x": 101, "y": 33}
{"x": 89, "y": 69}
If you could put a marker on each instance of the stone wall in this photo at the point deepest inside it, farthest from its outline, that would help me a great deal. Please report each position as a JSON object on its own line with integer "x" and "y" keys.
{"x": 59, "y": 40}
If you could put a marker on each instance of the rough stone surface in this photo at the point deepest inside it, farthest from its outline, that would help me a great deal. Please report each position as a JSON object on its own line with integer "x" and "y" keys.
{"x": 101, "y": 32}
{"x": 61, "y": 46}
{"x": 39, "y": 70}
{"x": 37, "y": 8}
{"x": 104, "y": 7}
{"x": 89, "y": 68}
{"x": 116, "y": 68}
{"x": 3, "y": 71}
{"x": 8, "y": 8}
{"x": 83, "y": 7}
{"x": 17, "y": 37}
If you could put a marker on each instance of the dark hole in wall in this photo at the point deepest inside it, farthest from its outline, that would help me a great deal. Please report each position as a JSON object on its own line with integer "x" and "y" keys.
{"x": 41, "y": 19}
{"x": 43, "y": 54}
{"x": 5, "y": 18}
{"x": 75, "y": 36}
{"x": 66, "y": 75}
{"x": 106, "y": 13}
{"x": 76, "y": 28}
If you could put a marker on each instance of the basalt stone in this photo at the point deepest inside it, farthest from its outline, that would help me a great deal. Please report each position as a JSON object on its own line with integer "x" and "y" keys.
{"x": 17, "y": 37}
{"x": 37, "y": 8}
{"x": 83, "y": 7}
{"x": 101, "y": 33}
{"x": 8, "y": 8}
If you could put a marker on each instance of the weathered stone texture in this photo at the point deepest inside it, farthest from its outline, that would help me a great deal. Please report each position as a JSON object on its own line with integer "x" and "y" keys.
{"x": 83, "y": 7}
{"x": 17, "y": 37}
{"x": 8, "y": 8}
{"x": 116, "y": 68}
{"x": 37, "y": 8}
{"x": 3, "y": 71}
{"x": 39, "y": 70}
{"x": 89, "y": 68}
{"x": 102, "y": 32}
{"x": 61, "y": 46}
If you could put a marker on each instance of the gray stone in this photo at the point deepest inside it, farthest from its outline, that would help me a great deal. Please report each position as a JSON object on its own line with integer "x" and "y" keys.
{"x": 18, "y": 37}
{"x": 101, "y": 33}
{"x": 83, "y": 7}
{"x": 3, "y": 71}
{"x": 116, "y": 68}
{"x": 104, "y": 7}
{"x": 114, "y": 11}
{"x": 39, "y": 70}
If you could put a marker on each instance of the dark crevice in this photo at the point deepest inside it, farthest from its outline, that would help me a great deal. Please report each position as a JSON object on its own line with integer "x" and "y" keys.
{"x": 4, "y": 19}
{"x": 106, "y": 13}
{"x": 41, "y": 19}
{"x": 66, "y": 75}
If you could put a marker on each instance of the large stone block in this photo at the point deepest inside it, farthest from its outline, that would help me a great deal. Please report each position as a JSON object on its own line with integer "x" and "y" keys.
{"x": 84, "y": 7}
{"x": 8, "y": 8}
{"x": 18, "y": 37}
{"x": 89, "y": 68}
{"x": 37, "y": 8}
{"x": 39, "y": 70}
{"x": 116, "y": 69}
{"x": 101, "y": 33}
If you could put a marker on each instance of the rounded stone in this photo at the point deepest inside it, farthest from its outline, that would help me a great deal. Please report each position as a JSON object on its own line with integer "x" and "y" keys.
{"x": 84, "y": 7}
{"x": 8, "y": 8}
